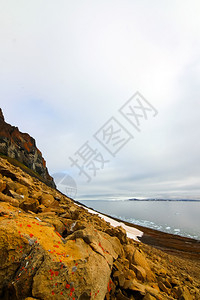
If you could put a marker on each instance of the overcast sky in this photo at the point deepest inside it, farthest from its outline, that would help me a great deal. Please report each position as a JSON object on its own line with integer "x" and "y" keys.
{"x": 66, "y": 69}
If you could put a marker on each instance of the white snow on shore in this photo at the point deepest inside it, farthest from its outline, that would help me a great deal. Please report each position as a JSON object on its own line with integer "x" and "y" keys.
{"x": 131, "y": 232}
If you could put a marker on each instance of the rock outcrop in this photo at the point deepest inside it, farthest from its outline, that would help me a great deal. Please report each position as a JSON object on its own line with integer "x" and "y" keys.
{"x": 22, "y": 147}
{"x": 51, "y": 248}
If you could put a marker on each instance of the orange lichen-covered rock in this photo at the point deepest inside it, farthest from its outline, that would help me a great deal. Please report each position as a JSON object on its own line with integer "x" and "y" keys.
{"x": 34, "y": 257}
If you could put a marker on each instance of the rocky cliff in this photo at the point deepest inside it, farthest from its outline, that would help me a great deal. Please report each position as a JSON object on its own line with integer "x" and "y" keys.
{"x": 22, "y": 147}
{"x": 51, "y": 248}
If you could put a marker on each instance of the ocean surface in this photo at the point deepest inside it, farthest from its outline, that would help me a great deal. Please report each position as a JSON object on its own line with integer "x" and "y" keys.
{"x": 176, "y": 217}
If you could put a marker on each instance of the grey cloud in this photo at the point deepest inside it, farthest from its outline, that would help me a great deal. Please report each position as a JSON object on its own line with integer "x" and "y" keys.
{"x": 66, "y": 68}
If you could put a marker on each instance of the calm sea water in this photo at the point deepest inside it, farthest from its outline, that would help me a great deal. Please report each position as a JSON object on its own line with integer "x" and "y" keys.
{"x": 176, "y": 217}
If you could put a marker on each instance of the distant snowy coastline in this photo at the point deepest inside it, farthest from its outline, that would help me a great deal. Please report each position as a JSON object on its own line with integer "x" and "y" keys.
{"x": 155, "y": 199}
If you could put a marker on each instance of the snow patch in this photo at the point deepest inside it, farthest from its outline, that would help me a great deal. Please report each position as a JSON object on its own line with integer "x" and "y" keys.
{"x": 132, "y": 233}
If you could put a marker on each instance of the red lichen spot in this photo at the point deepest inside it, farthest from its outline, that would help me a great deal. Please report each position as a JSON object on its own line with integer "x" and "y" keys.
{"x": 20, "y": 247}
{"x": 109, "y": 286}
{"x": 53, "y": 293}
{"x": 31, "y": 235}
{"x": 56, "y": 273}
{"x": 56, "y": 284}
{"x": 36, "y": 242}
{"x": 61, "y": 293}
{"x": 19, "y": 231}
{"x": 67, "y": 286}
{"x": 58, "y": 234}
{"x": 70, "y": 294}
{"x": 56, "y": 246}
{"x": 72, "y": 289}
{"x": 28, "y": 225}
{"x": 20, "y": 225}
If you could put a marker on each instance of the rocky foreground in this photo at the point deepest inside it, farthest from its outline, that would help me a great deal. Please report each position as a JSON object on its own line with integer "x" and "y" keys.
{"x": 50, "y": 248}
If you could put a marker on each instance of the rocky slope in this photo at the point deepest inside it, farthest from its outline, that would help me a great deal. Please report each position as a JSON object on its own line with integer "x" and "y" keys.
{"x": 51, "y": 248}
{"x": 22, "y": 147}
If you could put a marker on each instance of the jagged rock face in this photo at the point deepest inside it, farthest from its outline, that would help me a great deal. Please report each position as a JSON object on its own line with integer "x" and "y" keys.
{"x": 1, "y": 115}
{"x": 22, "y": 147}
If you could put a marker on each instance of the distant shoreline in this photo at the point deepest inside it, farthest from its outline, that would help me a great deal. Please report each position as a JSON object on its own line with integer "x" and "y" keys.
{"x": 171, "y": 200}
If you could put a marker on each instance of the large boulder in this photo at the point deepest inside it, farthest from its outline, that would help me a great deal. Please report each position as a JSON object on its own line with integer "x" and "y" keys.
{"x": 36, "y": 261}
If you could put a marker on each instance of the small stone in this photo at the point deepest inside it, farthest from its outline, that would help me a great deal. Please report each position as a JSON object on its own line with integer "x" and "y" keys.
{"x": 127, "y": 284}
{"x": 163, "y": 287}
{"x": 185, "y": 294}
{"x": 152, "y": 291}
{"x": 121, "y": 280}
{"x": 118, "y": 266}
{"x": 136, "y": 286}
{"x": 189, "y": 278}
{"x": 139, "y": 271}
{"x": 149, "y": 297}
{"x": 2, "y": 185}
{"x": 167, "y": 283}
{"x": 120, "y": 296}
{"x": 116, "y": 274}
{"x": 162, "y": 272}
